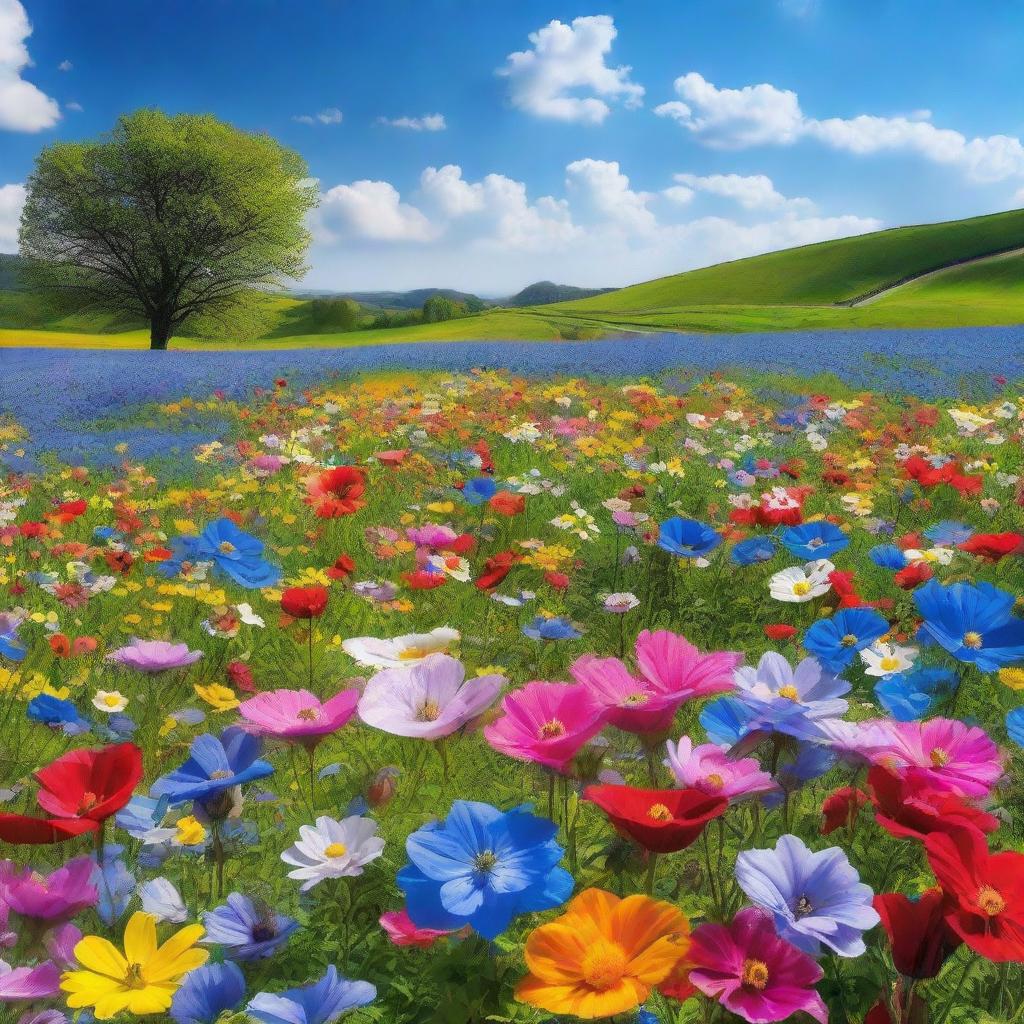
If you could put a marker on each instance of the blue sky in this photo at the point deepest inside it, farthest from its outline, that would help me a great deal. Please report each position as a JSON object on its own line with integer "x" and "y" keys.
{"x": 485, "y": 144}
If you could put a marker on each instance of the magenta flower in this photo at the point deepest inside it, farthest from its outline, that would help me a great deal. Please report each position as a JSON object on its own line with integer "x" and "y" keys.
{"x": 709, "y": 769}
{"x": 297, "y": 716}
{"x": 153, "y": 655}
{"x": 18, "y": 983}
{"x": 60, "y": 943}
{"x": 950, "y": 756}
{"x": 54, "y": 898}
{"x": 672, "y": 671}
{"x": 402, "y": 932}
{"x": 547, "y": 723}
{"x": 427, "y": 700}
{"x": 754, "y": 973}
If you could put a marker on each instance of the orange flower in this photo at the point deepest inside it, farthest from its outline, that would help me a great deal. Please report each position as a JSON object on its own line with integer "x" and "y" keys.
{"x": 603, "y": 955}
{"x": 507, "y": 503}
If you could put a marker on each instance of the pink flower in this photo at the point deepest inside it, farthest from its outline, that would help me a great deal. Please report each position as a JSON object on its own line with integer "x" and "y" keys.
{"x": 947, "y": 754}
{"x": 672, "y": 671}
{"x": 297, "y": 716}
{"x": 754, "y": 973}
{"x": 60, "y": 943}
{"x": 431, "y": 535}
{"x": 709, "y": 769}
{"x": 54, "y": 898}
{"x": 546, "y": 723}
{"x": 39, "y": 982}
{"x": 154, "y": 655}
{"x": 402, "y": 932}
{"x": 428, "y": 699}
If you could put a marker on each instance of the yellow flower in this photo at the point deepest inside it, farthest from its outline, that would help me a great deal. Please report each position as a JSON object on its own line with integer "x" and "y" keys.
{"x": 1012, "y": 677}
{"x": 143, "y": 979}
{"x": 219, "y": 697}
{"x": 190, "y": 832}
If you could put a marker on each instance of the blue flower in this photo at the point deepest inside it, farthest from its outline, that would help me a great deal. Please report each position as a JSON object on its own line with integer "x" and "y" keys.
{"x": 235, "y": 553}
{"x": 754, "y": 549}
{"x": 814, "y": 540}
{"x": 321, "y": 1003}
{"x": 53, "y": 711}
{"x": 972, "y": 622}
{"x": 726, "y": 720}
{"x": 481, "y": 867}
{"x": 556, "y": 628}
{"x": 687, "y": 538}
{"x": 114, "y": 882}
{"x": 479, "y": 490}
{"x": 1015, "y": 726}
{"x": 207, "y": 992}
{"x": 10, "y": 644}
{"x": 141, "y": 814}
{"x": 908, "y": 696}
{"x": 888, "y": 556}
{"x": 249, "y": 931}
{"x": 815, "y": 898}
{"x": 216, "y": 764}
{"x": 838, "y": 639}
{"x": 949, "y": 533}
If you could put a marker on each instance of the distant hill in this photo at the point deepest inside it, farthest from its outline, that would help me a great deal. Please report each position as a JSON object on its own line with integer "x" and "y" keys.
{"x": 395, "y": 300}
{"x": 543, "y": 292}
{"x": 826, "y": 273}
{"x": 9, "y": 269}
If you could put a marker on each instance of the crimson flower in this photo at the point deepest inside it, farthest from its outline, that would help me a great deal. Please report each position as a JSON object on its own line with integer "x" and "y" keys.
{"x": 920, "y": 938}
{"x": 841, "y": 808}
{"x": 336, "y": 492}
{"x": 660, "y": 820}
{"x": 993, "y": 546}
{"x": 22, "y": 830}
{"x": 496, "y": 568}
{"x": 343, "y": 567}
{"x": 90, "y": 784}
{"x": 780, "y": 631}
{"x": 911, "y": 575}
{"x": 304, "y": 602}
{"x": 909, "y": 808}
{"x": 984, "y": 892}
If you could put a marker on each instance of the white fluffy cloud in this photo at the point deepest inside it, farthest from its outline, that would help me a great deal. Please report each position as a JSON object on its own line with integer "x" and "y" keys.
{"x": 751, "y": 191}
{"x": 329, "y": 115}
{"x": 489, "y": 236}
{"x": 369, "y": 211}
{"x": 426, "y": 123}
{"x": 23, "y": 107}
{"x": 765, "y": 115}
{"x": 12, "y": 199}
{"x": 566, "y": 60}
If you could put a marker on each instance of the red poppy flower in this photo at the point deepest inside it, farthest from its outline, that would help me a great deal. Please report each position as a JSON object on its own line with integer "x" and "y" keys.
{"x": 423, "y": 580}
{"x": 60, "y": 645}
{"x": 843, "y": 585}
{"x": 993, "y": 546}
{"x": 483, "y": 450}
{"x": 336, "y": 492}
{"x": 558, "y": 580}
{"x": 920, "y": 938}
{"x": 507, "y": 504}
{"x": 461, "y": 545}
{"x": 90, "y": 784}
{"x": 909, "y": 808}
{"x": 660, "y": 820}
{"x": 780, "y": 631}
{"x": 68, "y": 511}
{"x": 496, "y": 568}
{"x": 21, "y": 830}
{"x": 343, "y": 567}
{"x": 240, "y": 676}
{"x": 304, "y": 602}
{"x": 913, "y": 575}
{"x": 840, "y": 809}
{"x": 119, "y": 561}
{"x": 984, "y": 892}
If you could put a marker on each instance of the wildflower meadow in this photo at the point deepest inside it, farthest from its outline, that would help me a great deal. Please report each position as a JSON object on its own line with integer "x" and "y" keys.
{"x": 472, "y": 696}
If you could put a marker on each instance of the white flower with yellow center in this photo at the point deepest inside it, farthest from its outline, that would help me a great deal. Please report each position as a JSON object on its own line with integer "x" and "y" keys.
{"x": 884, "y": 660}
{"x": 333, "y": 849}
{"x": 400, "y": 650}
{"x": 802, "y": 583}
{"x": 110, "y": 702}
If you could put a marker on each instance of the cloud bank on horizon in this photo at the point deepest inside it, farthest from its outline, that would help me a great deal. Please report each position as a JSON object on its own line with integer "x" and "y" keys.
{"x": 659, "y": 178}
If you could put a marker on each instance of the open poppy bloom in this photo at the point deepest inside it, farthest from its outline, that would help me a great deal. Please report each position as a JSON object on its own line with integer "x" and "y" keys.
{"x": 660, "y": 820}
{"x": 23, "y": 830}
{"x": 336, "y": 492}
{"x": 984, "y": 893}
{"x": 304, "y": 602}
{"x": 920, "y": 938}
{"x": 603, "y": 955}
{"x": 90, "y": 785}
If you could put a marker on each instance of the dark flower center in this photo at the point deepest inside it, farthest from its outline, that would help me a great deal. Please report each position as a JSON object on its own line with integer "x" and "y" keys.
{"x": 803, "y": 908}
{"x": 485, "y": 862}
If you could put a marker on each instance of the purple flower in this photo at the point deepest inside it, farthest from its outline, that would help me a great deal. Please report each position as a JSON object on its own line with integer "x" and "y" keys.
{"x": 154, "y": 655}
{"x": 428, "y": 700}
{"x": 54, "y": 898}
{"x": 816, "y": 898}
{"x": 39, "y": 982}
{"x": 247, "y": 930}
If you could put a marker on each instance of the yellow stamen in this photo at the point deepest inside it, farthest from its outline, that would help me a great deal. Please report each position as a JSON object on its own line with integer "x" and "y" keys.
{"x": 336, "y": 850}
{"x": 659, "y": 812}
{"x": 755, "y": 974}
{"x": 604, "y": 966}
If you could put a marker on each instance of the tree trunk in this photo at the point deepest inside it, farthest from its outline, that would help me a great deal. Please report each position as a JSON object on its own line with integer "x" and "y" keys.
{"x": 159, "y": 333}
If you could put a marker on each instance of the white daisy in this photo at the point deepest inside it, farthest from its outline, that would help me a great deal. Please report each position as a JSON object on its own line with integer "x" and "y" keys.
{"x": 110, "y": 702}
{"x": 400, "y": 650}
{"x": 887, "y": 659}
{"x": 333, "y": 849}
{"x": 802, "y": 583}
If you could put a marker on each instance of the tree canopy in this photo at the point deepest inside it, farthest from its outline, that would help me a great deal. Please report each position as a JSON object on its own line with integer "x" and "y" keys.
{"x": 181, "y": 221}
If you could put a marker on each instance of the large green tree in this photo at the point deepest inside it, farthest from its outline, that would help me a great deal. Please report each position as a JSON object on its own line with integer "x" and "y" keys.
{"x": 180, "y": 221}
